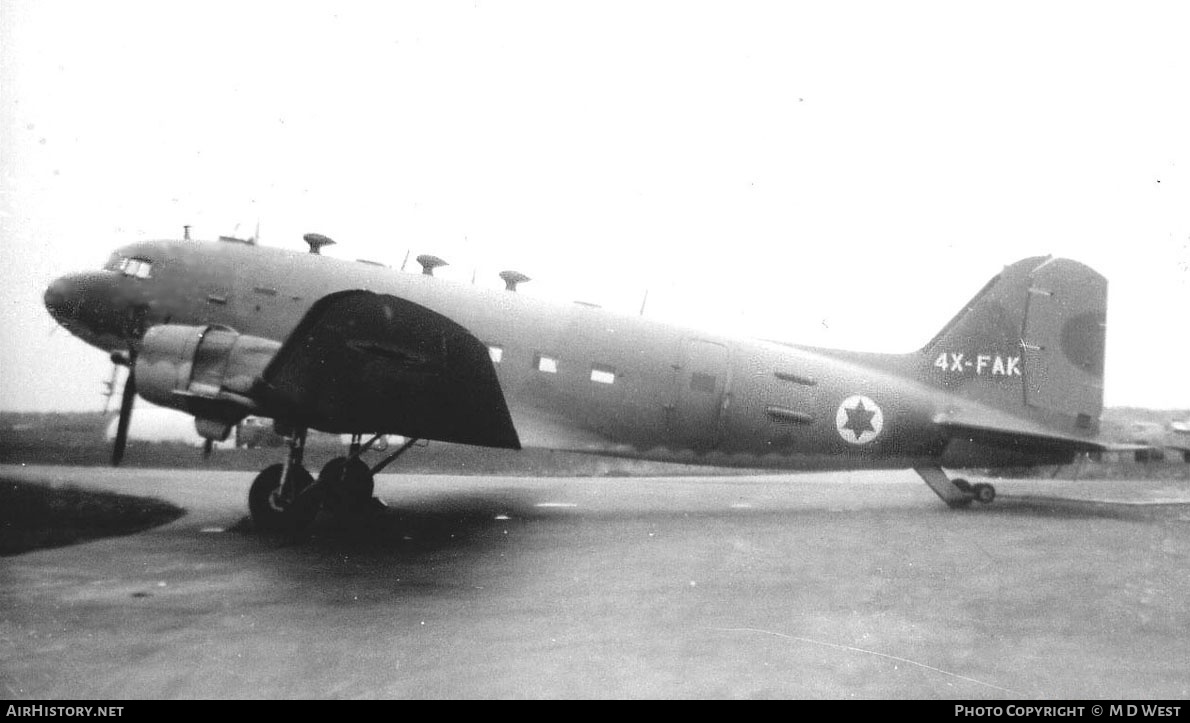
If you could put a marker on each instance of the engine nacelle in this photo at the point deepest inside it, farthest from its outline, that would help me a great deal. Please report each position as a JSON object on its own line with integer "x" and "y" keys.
{"x": 207, "y": 371}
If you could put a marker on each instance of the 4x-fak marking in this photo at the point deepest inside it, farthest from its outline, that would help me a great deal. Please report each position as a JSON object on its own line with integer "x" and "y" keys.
{"x": 979, "y": 364}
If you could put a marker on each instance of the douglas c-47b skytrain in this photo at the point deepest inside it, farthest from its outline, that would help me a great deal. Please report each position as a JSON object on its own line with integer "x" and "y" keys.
{"x": 226, "y": 329}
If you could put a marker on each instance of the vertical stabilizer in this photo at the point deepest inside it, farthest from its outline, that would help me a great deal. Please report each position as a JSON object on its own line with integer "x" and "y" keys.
{"x": 1031, "y": 343}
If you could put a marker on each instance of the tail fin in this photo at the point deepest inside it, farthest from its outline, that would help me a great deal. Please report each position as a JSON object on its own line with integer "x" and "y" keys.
{"x": 1031, "y": 343}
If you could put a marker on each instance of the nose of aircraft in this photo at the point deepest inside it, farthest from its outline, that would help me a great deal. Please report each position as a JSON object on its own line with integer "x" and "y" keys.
{"x": 61, "y": 298}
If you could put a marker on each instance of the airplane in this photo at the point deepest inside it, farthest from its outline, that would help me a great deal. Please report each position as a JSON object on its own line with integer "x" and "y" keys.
{"x": 229, "y": 328}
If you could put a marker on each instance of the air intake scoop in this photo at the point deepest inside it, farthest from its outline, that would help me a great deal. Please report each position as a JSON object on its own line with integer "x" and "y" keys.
{"x": 317, "y": 241}
{"x": 512, "y": 278}
{"x": 429, "y": 263}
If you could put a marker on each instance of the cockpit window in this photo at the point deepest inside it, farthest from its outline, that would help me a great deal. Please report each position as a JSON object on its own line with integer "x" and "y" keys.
{"x": 140, "y": 268}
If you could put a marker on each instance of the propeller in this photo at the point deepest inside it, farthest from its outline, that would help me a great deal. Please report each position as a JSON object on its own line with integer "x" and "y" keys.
{"x": 126, "y": 402}
{"x": 134, "y": 330}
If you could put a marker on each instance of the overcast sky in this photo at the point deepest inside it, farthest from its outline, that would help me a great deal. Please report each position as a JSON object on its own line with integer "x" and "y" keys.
{"x": 842, "y": 174}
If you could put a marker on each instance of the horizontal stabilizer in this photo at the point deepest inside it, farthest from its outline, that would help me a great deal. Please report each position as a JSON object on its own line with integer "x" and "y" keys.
{"x": 994, "y": 426}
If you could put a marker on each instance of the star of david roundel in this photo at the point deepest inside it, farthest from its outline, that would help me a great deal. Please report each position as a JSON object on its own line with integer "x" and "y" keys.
{"x": 859, "y": 420}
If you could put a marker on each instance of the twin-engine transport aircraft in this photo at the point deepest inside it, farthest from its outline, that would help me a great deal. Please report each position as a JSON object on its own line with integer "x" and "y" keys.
{"x": 226, "y": 329}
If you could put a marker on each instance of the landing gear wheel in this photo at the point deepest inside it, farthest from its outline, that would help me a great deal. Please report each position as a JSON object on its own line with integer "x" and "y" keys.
{"x": 348, "y": 484}
{"x": 964, "y": 486}
{"x": 984, "y": 492}
{"x": 270, "y": 513}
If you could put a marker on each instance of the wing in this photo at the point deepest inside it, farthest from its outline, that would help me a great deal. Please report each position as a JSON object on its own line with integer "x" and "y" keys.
{"x": 373, "y": 363}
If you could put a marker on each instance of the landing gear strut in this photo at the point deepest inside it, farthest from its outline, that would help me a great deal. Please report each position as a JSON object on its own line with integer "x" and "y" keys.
{"x": 283, "y": 498}
{"x": 957, "y": 493}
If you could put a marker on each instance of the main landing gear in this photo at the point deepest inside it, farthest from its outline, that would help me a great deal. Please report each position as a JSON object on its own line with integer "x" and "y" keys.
{"x": 285, "y": 498}
{"x": 957, "y": 493}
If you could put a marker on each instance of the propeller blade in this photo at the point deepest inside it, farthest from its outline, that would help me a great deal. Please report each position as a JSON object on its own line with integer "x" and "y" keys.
{"x": 125, "y": 413}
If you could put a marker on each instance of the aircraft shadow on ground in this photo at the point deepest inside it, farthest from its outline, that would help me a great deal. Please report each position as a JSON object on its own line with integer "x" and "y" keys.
{"x": 476, "y": 521}
{"x": 474, "y": 524}
{"x": 1070, "y": 508}
{"x": 417, "y": 528}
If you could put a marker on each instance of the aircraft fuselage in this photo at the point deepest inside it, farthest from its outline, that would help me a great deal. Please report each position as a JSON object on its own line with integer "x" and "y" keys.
{"x": 574, "y": 377}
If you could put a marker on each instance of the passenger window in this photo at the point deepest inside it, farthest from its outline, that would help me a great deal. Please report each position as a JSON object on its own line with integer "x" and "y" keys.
{"x": 546, "y": 364}
{"x": 496, "y": 352}
{"x": 603, "y": 374}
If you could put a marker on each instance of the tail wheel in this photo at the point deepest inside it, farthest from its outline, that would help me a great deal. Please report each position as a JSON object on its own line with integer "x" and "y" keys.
{"x": 348, "y": 483}
{"x": 985, "y": 493}
{"x": 272, "y": 514}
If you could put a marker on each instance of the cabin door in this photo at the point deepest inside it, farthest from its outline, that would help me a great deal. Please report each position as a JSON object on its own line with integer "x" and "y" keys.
{"x": 701, "y": 382}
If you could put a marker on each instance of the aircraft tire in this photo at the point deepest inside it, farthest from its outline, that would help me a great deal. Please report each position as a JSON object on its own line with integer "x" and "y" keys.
{"x": 348, "y": 484}
{"x": 963, "y": 485}
{"x": 270, "y": 518}
{"x": 985, "y": 493}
